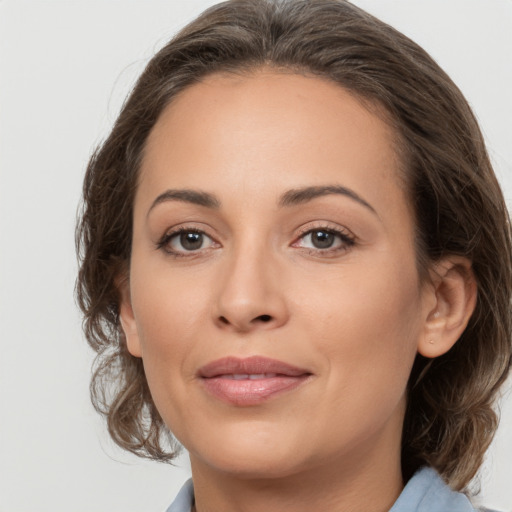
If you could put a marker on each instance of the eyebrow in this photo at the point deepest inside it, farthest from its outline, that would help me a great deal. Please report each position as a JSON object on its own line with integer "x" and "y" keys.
{"x": 187, "y": 196}
{"x": 292, "y": 197}
{"x": 303, "y": 195}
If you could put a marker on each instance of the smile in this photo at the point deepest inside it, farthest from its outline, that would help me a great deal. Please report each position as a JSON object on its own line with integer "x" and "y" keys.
{"x": 253, "y": 376}
{"x": 250, "y": 381}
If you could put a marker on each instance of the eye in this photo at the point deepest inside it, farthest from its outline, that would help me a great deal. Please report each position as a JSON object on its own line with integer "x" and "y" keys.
{"x": 325, "y": 240}
{"x": 320, "y": 239}
{"x": 184, "y": 240}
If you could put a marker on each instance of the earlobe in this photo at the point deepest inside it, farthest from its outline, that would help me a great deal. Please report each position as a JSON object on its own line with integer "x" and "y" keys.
{"x": 127, "y": 318}
{"x": 455, "y": 291}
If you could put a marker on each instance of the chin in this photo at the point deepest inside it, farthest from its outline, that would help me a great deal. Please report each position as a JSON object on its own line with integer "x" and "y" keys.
{"x": 252, "y": 454}
{"x": 246, "y": 467}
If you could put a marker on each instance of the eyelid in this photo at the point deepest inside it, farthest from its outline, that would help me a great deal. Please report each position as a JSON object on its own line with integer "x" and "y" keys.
{"x": 326, "y": 226}
{"x": 164, "y": 242}
{"x": 347, "y": 238}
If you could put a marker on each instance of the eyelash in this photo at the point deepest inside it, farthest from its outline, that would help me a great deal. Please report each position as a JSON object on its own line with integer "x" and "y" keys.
{"x": 164, "y": 243}
{"x": 346, "y": 238}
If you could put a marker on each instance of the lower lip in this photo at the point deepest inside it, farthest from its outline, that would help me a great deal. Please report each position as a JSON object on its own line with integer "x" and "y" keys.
{"x": 251, "y": 392}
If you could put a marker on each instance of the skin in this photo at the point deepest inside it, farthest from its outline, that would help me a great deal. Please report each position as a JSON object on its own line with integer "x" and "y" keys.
{"x": 355, "y": 316}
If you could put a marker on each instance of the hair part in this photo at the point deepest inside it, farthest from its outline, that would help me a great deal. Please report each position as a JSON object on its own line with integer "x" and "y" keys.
{"x": 456, "y": 199}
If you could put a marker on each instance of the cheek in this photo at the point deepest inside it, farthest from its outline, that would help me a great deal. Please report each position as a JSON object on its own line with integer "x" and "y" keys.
{"x": 167, "y": 305}
{"x": 169, "y": 313}
{"x": 366, "y": 326}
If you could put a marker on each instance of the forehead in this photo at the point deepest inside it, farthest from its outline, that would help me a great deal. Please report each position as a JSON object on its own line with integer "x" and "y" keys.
{"x": 270, "y": 130}
{"x": 286, "y": 104}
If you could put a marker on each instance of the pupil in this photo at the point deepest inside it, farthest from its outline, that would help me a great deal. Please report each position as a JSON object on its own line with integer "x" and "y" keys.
{"x": 322, "y": 239}
{"x": 191, "y": 241}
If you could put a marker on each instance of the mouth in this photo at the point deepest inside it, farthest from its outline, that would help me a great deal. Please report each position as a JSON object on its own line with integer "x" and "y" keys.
{"x": 250, "y": 381}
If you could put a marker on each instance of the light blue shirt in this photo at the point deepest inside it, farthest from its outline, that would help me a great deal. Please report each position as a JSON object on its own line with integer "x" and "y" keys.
{"x": 425, "y": 492}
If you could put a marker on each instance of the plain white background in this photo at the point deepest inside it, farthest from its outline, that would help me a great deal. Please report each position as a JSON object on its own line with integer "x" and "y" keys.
{"x": 65, "y": 67}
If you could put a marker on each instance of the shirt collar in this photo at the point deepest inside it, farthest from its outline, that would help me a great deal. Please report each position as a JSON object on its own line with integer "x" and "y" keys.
{"x": 425, "y": 492}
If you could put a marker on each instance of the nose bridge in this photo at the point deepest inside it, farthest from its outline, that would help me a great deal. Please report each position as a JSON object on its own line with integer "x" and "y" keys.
{"x": 250, "y": 295}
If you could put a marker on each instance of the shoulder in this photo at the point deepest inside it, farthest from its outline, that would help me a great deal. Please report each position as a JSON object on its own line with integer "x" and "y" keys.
{"x": 427, "y": 492}
{"x": 184, "y": 499}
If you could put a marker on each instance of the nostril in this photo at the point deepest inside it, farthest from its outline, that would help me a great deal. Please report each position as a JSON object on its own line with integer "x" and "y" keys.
{"x": 261, "y": 318}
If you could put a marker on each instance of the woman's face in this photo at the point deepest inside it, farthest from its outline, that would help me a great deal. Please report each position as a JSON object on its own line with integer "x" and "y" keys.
{"x": 273, "y": 292}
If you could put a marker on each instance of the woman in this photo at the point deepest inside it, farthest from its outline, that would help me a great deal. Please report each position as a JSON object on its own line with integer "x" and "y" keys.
{"x": 296, "y": 258}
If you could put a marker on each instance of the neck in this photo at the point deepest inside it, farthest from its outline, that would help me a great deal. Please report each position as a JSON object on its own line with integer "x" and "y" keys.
{"x": 368, "y": 484}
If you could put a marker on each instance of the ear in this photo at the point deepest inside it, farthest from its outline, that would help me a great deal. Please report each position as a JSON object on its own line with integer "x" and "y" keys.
{"x": 127, "y": 318}
{"x": 453, "y": 294}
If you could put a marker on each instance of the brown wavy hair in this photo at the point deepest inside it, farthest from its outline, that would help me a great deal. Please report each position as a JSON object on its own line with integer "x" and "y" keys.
{"x": 458, "y": 204}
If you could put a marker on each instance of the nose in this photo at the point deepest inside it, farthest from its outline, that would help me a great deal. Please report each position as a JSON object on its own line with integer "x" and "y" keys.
{"x": 251, "y": 294}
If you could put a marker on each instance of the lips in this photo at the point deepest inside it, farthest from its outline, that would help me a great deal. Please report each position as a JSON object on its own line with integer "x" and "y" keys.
{"x": 250, "y": 381}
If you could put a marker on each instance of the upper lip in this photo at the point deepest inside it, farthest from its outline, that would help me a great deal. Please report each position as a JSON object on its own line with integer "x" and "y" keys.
{"x": 249, "y": 365}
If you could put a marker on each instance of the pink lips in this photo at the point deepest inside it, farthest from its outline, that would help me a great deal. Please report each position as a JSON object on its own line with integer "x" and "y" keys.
{"x": 250, "y": 381}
